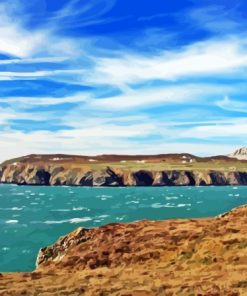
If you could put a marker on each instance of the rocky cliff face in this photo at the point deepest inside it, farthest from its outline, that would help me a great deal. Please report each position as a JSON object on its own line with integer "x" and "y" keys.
{"x": 204, "y": 257}
{"x": 112, "y": 171}
{"x": 45, "y": 174}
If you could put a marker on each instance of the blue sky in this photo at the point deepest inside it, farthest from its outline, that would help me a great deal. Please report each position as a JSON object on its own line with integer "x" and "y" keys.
{"x": 122, "y": 76}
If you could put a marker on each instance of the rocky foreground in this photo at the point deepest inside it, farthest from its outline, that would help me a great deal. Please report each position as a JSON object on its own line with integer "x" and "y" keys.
{"x": 117, "y": 170}
{"x": 172, "y": 257}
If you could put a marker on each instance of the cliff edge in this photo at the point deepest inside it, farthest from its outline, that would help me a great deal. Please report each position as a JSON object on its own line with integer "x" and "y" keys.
{"x": 124, "y": 170}
{"x": 206, "y": 257}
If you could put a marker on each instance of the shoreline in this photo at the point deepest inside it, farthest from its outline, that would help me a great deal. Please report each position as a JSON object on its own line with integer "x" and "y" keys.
{"x": 152, "y": 257}
{"x": 126, "y": 186}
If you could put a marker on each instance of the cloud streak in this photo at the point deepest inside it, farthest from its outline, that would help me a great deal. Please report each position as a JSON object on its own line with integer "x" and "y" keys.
{"x": 232, "y": 105}
{"x": 204, "y": 58}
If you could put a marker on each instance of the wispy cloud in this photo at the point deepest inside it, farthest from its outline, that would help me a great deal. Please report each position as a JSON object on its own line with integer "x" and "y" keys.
{"x": 204, "y": 58}
{"x": 45, "y": 101}
{"x": 34, "y": 60}
{"x": 232, "y": 105}
{"x": 35, "y": 74}
{"x": 218, "y": 18}
{"x": 154, "y": 16}
{"x": 151, "y": 97}
{"x": 90, "y": 13}
{"x": 233, "y": 130}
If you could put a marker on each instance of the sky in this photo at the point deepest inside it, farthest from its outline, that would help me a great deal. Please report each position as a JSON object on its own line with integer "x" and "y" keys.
{"x": 122, "y": 77}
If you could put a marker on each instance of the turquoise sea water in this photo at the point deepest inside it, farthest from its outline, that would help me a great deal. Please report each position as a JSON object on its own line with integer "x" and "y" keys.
{"x": 33, "y": 217}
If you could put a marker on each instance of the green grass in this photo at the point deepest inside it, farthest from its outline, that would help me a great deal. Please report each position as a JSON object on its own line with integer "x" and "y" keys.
{"x": 200, "y": 166}
{"x": 216, "y": 165}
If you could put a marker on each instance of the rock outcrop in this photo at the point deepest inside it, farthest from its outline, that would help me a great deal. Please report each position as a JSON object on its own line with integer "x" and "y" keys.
{"x": 205, "y": 257}
{"x": 240, "y": 154}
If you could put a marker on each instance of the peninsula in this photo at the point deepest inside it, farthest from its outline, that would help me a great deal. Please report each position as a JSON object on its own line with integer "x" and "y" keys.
{"x": 125, "y": 170}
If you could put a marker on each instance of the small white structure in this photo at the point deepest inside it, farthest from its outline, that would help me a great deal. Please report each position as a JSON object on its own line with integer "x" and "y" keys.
{"x": 56, "y": 158}
{"x": 140, "y": 161}
{"x": 92, "y": 160}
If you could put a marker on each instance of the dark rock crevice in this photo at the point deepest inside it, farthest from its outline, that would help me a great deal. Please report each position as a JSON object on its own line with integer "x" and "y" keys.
{"x": 43, "y": 177}
{"x": 143, "y": 178}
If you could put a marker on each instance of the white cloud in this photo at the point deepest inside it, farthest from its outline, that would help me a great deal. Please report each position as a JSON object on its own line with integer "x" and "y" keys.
{"x": 204, "y": 58}
{"x": 141, "y": 98}
{"x": 230, "y": 131}
{"x": 34, "y": 60}
{"x": 28, "y": 102}
{"x": 35, "y": 74}
{"x": 63, "y": 142}
{"x": 9, "y": 114}
{"x": 17, "y": 41}
{"x": 232, "y": 105}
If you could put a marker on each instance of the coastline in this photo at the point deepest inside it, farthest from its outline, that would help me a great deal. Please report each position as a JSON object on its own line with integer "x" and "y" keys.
{"x": 167, "y": 257}
{"x": 159, "y": 170}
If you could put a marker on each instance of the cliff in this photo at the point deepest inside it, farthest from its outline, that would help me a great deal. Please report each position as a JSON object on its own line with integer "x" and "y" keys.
{"x": 206, "y": 257}
{"x": 117, "y": 170}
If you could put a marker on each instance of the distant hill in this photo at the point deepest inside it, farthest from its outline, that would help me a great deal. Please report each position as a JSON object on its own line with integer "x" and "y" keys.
{"x": 240, "y": 154}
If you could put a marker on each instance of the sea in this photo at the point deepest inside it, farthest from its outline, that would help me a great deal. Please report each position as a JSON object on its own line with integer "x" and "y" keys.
{"x": 32, "y": 217}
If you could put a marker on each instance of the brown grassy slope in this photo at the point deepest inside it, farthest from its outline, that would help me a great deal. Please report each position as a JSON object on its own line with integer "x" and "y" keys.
{"x": 134, "y": 162}
{"x": 173, "y": 257}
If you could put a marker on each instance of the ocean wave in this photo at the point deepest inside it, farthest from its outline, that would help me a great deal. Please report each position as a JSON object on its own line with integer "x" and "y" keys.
{"x": 102, "y": 216}
{"x": 11, "y": 221}
{"x": 183, "y": 205}
{"x": 5, "y": 249}
{"x": 119, "y": 218}
{"x": 16, "y": 209}
{"x": 11, "y": 209}
{"x": 26, "y": 251}
{"x": 80, "y": 209}
{"x": 61, "y": 210}
{"x": 169, "y": 205}
{"x": 171, "y": 197}
{"x": 72, "y": 220}
{"x": 159, "y": 205}
{"x": 132, "y": 202}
